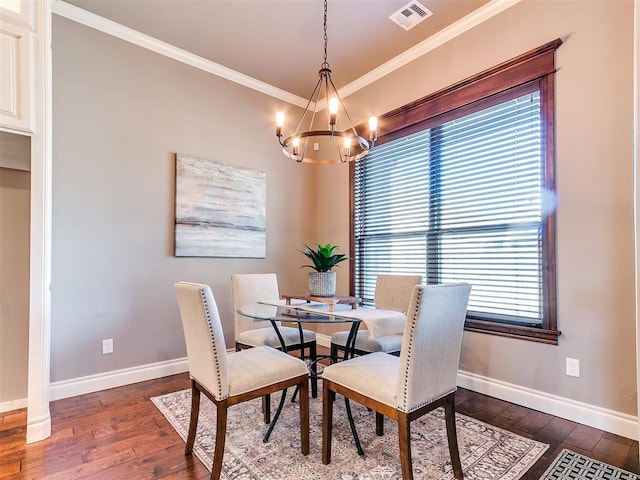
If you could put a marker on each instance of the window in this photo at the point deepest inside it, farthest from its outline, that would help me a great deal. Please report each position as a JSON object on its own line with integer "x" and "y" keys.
{"x": 463, "y": 192}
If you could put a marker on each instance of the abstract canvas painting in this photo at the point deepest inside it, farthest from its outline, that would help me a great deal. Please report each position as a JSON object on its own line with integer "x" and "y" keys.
{"x": 220, "y": 209}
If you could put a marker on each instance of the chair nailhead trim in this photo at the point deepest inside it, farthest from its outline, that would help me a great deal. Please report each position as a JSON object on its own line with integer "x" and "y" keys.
{"x": 414, "y": 320}
{"x": 213, "y": 344}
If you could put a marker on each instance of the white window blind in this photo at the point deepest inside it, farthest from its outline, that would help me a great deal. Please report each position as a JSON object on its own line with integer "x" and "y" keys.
{"x": 459, "y": 202}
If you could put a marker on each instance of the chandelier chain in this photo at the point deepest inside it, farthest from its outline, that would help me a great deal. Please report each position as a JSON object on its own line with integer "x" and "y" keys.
{"x": 325, "y": 64}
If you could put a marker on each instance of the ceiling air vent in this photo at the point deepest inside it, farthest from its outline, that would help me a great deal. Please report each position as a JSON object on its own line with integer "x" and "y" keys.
{"x": 410, "y": 15}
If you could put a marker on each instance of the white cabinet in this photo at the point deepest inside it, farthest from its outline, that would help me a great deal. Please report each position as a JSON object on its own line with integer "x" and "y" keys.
{"x": 17, "y": 38}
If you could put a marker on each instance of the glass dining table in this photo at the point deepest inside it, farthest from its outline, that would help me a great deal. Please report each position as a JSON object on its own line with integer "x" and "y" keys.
{"x": 300, "y": 314}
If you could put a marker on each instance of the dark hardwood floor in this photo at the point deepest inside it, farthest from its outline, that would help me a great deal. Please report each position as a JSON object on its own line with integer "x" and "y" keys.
{"x": 119, "y": 434}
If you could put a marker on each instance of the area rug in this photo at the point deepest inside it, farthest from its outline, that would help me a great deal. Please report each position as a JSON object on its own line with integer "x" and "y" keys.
{"x": 570, "y": 465}
{"x": 486, "y": 452}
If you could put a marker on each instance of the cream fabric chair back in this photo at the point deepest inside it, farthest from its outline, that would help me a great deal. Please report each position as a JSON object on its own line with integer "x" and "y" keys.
{"x": 249, "y": 288}
{"x": 393, "y": 292}
{"x": 431, "y": 344}
{"x": 206, "y": 348}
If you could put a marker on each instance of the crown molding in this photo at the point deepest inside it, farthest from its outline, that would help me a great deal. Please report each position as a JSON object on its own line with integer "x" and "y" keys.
{"x": 463, "y": 25}
{"x": 64, "y": 9}
{"x": 79, "y": 15}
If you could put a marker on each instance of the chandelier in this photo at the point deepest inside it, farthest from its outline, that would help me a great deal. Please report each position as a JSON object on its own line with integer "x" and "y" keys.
{"x": 310, "y": 140}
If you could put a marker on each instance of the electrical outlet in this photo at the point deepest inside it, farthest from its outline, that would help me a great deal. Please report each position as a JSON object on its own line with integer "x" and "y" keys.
{"x": 573, "y": 367}
{"x": 107, "y": 346}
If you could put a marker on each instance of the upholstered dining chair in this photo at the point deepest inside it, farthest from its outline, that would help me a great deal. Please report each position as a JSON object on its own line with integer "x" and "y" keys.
{"x": 250, "y": 288}
{"x": 423, "y": 378}
{"x": 392, "y": 292}
{"x": 229, "y": 379}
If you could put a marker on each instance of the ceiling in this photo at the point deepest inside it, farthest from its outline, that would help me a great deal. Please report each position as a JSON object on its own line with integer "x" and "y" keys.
{"x": 280, "y": 42}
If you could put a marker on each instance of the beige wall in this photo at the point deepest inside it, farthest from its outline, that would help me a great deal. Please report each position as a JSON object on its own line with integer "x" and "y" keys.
{"x": 120, "y": 114}
{"x": 595, "y": 270}
{"x": 14, "y": 284}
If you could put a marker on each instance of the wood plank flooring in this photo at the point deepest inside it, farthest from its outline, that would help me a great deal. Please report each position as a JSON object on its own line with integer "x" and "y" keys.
{"x": 119, "y": 434}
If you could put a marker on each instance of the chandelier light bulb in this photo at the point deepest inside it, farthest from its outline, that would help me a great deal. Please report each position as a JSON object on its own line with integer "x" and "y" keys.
{"x": 279, "y": 123}
{"x": 373, "y": 128}
{"x": 295, "y": 144}
{"x": 333, "y": 105}
{"x": 333, "y": 111}
{"x": 347, "y": 146}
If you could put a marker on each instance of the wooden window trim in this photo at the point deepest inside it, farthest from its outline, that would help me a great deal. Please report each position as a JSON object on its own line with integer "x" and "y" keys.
{"x": 536, "y": 67}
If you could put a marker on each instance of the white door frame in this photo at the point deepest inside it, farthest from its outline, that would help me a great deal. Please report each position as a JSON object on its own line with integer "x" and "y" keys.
{"x": 38, "y": 414}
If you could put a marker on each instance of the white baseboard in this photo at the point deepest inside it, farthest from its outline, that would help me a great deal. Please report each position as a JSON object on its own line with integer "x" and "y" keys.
{"x": 13, "y": 405}
{"x": 38, "y": 428}
{"x": 117, "y": 378}
{"x": 584, "y": 413}
{"x": 591, "y": 415}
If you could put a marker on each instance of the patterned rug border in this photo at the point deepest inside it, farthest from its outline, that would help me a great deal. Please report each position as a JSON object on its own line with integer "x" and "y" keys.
{"x": 570, "y": 465}
{"x": 494, "y": 466}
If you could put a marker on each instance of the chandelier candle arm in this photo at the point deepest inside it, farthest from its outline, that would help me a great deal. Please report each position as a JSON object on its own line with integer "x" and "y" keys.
{"x": 347, "y": 150}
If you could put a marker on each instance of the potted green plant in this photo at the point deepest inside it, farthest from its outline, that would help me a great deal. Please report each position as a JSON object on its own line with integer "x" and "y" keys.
{"x": 322, "y": 281}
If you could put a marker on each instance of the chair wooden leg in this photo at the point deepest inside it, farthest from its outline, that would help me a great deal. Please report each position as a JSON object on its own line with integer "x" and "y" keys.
{"x": 304, "y": 416}
{"x": 404, "y": 435}
{"x": 379, "y": 424}
{"x": 193, "y": 421}
{"x": 266, "y": 408}
{"x": 452, "y": 437}
{"x": 221, "y": 436}
{"x": 328, "y": 397}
